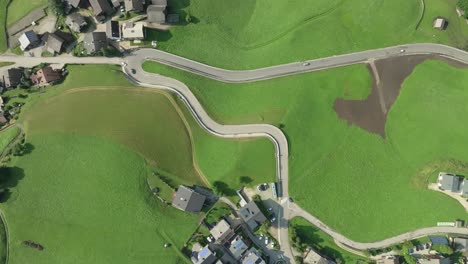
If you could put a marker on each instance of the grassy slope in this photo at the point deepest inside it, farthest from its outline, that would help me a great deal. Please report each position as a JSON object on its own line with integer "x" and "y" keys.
{"x": 6, "y": 136}
{"x": 322, "y": 242}
{"x": 249, "y": 34}
{"x": 330, "y": 161}
{"x": 3, "y": 18}
{"x": 20, "y": 8}
{"x": 86, "y": 200}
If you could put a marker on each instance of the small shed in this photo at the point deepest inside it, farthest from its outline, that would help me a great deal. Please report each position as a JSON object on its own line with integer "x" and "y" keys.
{"x": 440, "y": 23}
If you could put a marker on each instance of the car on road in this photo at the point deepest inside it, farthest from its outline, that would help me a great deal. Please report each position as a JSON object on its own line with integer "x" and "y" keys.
{"x": 306, "y": 63}
{"x": 290, "y": 200}
{"x": 267, "y": 241}
{"x": 402, "y": 51}
{"x": 133, "y": 71}
{"x": 262, "y": 187}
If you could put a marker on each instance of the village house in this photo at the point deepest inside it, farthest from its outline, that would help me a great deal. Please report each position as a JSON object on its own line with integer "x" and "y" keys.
{"x": 3, "y": 119}
{"x": 388, "y": 260}
{"x": 202, "y": 255}
{"x": 252, "y": 215}
{"x": 133, "y": 5}
{"x": 76, "y": 3}
{"x": 12, "y": 78}
{"x": 53, "y": 43}
{"x": 113, "y": 30}
{"x": 76, "y": 22}
{"x": 28, "y": 40}
{"x": 188, "y": 200}
{"x": 252, "y": 256}
{"x": 439, "y": 23}
{"x": 460, "y": 244}
{"x": 448, "y": 182}
{"x": 222, "y": 231}
{"x": 237, "y": 247}
{"x": 433, "y": 259}
{"x": 313, "y": 257}
{"x": 94, "y": 42}
{"x": 132, "y": 31}
{"x": 101, "y": 8}
{"x": 157, "y": 11}
{"x": 46, "y": 76}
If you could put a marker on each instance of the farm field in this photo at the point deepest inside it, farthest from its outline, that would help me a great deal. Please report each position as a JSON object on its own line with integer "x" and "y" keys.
{"x": 246, "y": 34}
{"x": 7, "y": 135}
{"x": 321, "y": 242}
{"x": 3, "y": 21}
{"x": 334, "y": 163}
{"x": 98, "y": 161}
{"x": 20, "y": 8}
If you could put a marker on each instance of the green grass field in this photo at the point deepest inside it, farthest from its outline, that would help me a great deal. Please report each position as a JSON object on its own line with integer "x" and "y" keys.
{"x": 7, "y": 135}
{"x": 3, "y": 21}
{"x": 322, "y": 243}
{"x": 334, "y": 163}
{"x": 249, "y": 34}
{"x": 20, "y": 8}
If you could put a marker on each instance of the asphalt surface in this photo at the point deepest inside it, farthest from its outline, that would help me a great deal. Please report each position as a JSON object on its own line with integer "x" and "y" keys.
{"x": 134, "y": 61}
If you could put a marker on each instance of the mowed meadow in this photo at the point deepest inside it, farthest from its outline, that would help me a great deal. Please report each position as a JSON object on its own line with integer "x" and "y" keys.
{"x": 82, "y": 190}
{"x": 347, "y": 177}
{"x": 249, "y": 34}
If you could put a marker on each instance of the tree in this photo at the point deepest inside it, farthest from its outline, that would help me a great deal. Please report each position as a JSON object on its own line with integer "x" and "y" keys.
{"x": 57, "y": 7}
{"x": 463, "y": 5}
{"x": 218, "y": 188}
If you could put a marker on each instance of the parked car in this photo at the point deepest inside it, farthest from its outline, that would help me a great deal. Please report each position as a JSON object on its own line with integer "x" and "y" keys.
{"x": 267, "y": 241}
{"x": 428, "y": 246}
{"x": 410, "y": 251}
{"x": 133, "y": 71}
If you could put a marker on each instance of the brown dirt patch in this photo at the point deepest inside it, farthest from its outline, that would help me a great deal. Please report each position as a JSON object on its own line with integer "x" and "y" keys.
{"x": 371, "y": 113}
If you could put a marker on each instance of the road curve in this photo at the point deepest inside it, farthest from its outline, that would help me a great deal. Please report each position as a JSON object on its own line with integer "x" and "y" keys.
{"x": 233, "y": 76}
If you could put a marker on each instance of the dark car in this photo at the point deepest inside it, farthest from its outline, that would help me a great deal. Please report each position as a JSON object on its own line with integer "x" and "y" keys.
{"x": 291, "y": 200}
{"x": 133, "y": 71}
{"x": 428, "y": 245}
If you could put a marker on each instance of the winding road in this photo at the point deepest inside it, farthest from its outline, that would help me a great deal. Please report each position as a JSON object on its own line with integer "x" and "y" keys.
{"x": 135, "y": 60}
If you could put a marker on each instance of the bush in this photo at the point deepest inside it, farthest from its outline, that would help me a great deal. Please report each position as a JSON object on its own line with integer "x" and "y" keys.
{"x": 443, "y": 249}
{"x": 463, "y": 5}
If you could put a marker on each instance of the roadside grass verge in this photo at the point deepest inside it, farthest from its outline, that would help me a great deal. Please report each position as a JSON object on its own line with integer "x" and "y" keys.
{"x": 321, "y": 242}
{"x": 7, "y": 135}
{"x": 335, "y": 163}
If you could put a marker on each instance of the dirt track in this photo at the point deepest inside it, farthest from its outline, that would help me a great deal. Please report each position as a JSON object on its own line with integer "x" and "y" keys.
{"x": 371, "y": 114}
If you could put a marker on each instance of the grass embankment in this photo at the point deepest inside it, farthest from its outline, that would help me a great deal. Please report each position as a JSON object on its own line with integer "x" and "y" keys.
{"x": 20, "y": 8}
{"x": 7, "y": 135}
{"x": 249, "y": 34}
{"x": 321, "y": 242}
{"x": 3, "y": 21}
{"x": 334, "y": 163}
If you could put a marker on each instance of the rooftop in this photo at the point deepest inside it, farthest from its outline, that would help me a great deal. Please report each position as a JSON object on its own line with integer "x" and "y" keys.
{"x": 188, "y": 200}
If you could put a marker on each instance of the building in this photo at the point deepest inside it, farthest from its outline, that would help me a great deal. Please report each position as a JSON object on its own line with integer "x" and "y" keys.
{"x": 448, "y": 182}
{"x": 3, "y": 120}
{"x": 464, "y": 187}
{"x": 252, "y": 215}
{"x": 134, "y": 5}
{"x": 222, "y": 230}
{"x": 113, "y": 30}
{"x": 1, "y": 104}
{"x": 389, "y": 260}
{"x": 101, "y": 7}
{"x": 12, "y": 78}
{"x": 188, "y": 200}
{"x": 313, "y": 257}
{"x": 433, "y": 259}
{"x": 76, "y": 3}
{"x": 439, "y": 23}
{"x": 53, "y": 43}
{"x": 157, "y": 11}
{"x": 202, "y": 255}
{"x": 132, "y": 31}
{"x": 76, "y": 22}
{"x": 115, "y": 4}
{"x": 252, "y": 256}
{"x": 28, "y": 40}
{"x": 94, "y": 42}
{"x": 460, "y": 244}
{"x": 439, "y": 240}
{"x": 46, "y": 76}
{"x": 237, "y": 247}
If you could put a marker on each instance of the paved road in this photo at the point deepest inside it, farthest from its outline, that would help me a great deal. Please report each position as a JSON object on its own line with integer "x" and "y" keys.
{"x": 142, "y": 78}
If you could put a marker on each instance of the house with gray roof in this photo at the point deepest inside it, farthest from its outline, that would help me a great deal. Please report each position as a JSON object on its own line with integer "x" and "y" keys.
{"x": 188, "y": 200}
{"x": 157, "y": 12}
{"x": 203, "y": 255}
{"x": 449, "y": 182}
{"x": 101, "y": 7}
{"x": 95, "y": 41}
{"x": 252, "y": 215}
{"x": 252, "y": 256}
{"x": 464, "y": 187}
{"x": 134, "y": 5}
{"x": 76, "y": 3}
{"x": 28, "y": 40}
{"x": 53, "y": 43}
{"x": 237, "y": 247}
{"x": 113, "y": 30}
{"x": 76, "y": 22}
{"x": 222, "y": 230}
{"x": 12, "y": 78}
{"x": 460, "y": 244}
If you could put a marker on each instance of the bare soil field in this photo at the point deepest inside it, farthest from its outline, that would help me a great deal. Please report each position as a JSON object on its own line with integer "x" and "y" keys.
{"x": 371, "y": 113}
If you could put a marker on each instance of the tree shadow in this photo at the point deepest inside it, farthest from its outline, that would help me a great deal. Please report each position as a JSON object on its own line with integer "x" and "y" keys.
{"x": 9, "y": 178}
{"x": 158, "y": 35}
{"x": 245, "y": 180}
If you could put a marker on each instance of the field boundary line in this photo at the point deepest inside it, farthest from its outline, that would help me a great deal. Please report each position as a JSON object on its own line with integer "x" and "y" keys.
{"x": 7, "y": 236}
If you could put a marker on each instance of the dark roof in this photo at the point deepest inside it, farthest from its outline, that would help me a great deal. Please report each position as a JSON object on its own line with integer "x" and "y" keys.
{"x": 115, "y": 3}
{"x": 450, "y": 182}
{"x": 95, "y": 41}
{"x": 159, "y": 2}
{"x": 28, "y": 38}
{"x": 101, "y": 7}
{"x": 75, "y": 3}
{"x": 53, "y": 42}
{"x": 441, "y": 240}
{"x": 13, "y": 77}
{"x": 75, "y": 22}
{"x": 460, "y": 244}
{"x": 252, "y": 215}
{"x": 188, "y": 200}
{"x": 67, "y": 37}
{"x": 135, "y": 5}
{"x": 113, "y": 29}
{"x": 156, "y": 13}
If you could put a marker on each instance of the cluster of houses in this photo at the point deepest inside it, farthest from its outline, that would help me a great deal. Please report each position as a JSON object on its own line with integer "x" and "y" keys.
{"x": 453, "y": 183}
{"x": 228, "y": 236}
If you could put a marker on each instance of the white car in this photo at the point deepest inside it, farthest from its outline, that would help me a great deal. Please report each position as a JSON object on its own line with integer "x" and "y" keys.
{"x": 267, "y": 241}
{"x": 306, "y": 63}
